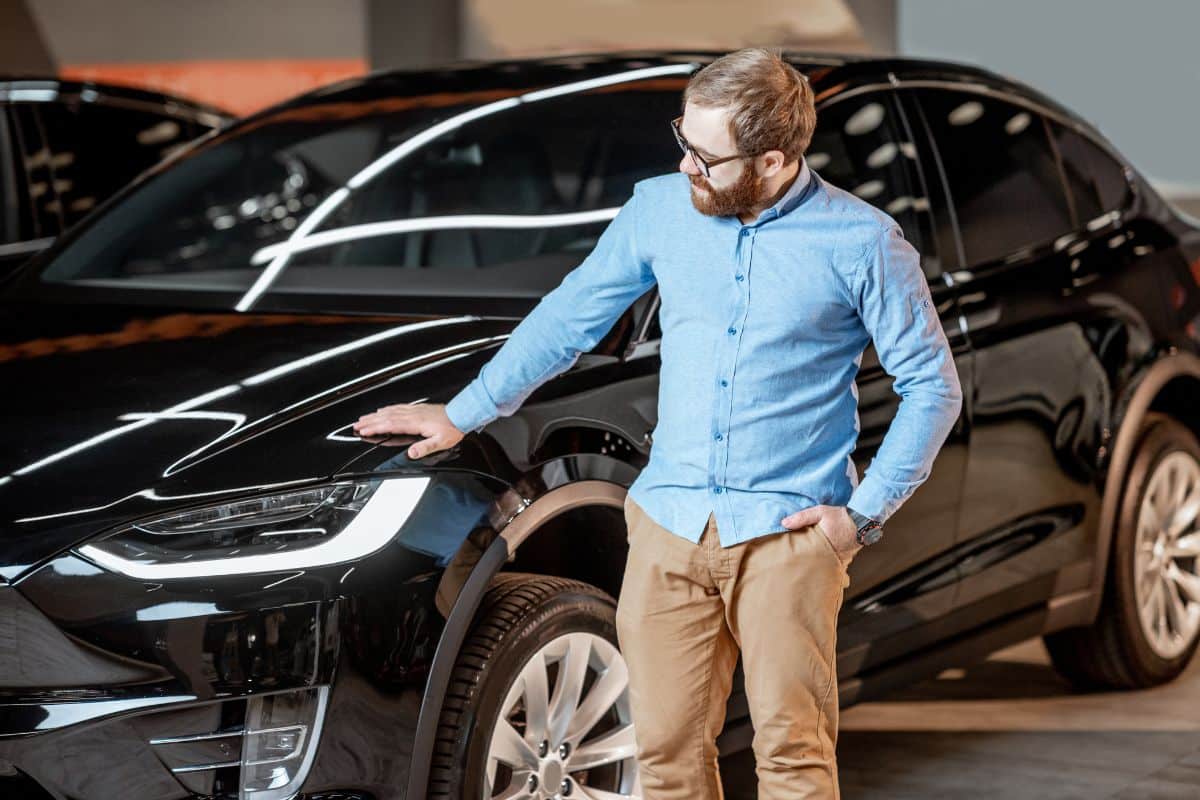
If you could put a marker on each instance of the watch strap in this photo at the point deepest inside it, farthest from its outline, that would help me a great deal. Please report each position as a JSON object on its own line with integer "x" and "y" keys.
{"x": 869, "y": 530}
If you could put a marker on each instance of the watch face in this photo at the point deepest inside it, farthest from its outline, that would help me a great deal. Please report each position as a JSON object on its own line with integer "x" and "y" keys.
{"x": 872, "y": 535}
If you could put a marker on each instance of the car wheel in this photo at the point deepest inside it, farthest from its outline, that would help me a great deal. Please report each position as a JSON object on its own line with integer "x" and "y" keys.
{"x": 1149, "y": 620}
{"x": 538, "y": 703}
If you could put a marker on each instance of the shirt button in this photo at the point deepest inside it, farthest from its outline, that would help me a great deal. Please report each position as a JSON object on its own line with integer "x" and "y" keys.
{"x": 718, "y": 437}
{"x": 732, "y": 331}
{"x": 739, "y": 276}
{"x": 724, "y": 382}
{"x": 717, "y": 489}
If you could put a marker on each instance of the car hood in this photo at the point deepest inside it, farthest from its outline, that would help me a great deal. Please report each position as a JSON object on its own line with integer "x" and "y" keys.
{"x": 115, "y": 412}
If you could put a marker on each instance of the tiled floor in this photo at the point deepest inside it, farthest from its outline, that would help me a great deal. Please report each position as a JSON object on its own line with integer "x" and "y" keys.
{"x": 1010, "y": 727}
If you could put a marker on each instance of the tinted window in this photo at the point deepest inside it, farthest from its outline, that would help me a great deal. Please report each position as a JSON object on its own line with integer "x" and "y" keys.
{"x": 579, "y": 153}
{"x": 41, "y": 209}
{"x": 1004, "y": 181}
{"x": 95, "y": 149}
{"x": 11, "y": 187}
{"x": 861, "y": 145}
{"x": 393, "y": 195}
{"x": 1096, "y": 180}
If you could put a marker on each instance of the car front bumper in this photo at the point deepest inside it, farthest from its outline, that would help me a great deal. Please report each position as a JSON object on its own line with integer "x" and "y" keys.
{"x": 110, "y": 687}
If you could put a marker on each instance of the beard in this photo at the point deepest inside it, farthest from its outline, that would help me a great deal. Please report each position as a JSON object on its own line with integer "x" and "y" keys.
{"x": 746, "y": 192}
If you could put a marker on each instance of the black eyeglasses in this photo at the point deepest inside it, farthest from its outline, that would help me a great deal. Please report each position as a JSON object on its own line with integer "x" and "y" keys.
{"x": 689, "y": 150}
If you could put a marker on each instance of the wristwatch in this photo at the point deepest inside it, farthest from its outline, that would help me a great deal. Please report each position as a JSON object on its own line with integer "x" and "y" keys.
{"x": 869, "y": 531}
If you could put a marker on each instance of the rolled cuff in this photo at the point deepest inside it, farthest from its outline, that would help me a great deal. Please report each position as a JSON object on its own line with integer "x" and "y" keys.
{"x": 872, "y": 499}
{"x": 472, "y": 408}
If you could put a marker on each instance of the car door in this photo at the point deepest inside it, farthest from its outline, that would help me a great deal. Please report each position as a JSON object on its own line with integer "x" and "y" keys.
{"x": 1040, "y": 389}
{"x": 864, "y": 143}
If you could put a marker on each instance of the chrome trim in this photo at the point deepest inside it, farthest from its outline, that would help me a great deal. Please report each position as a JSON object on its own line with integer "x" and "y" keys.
{"x": 297, "y": 751}
{"x": 199, "y": 737}
{"x": 64, "y": 715}
{"x": 309, "y": 749}
{"x": 27, "y": 246}
{"x": 102, "y": 94}
{"x": 206, "y": 767}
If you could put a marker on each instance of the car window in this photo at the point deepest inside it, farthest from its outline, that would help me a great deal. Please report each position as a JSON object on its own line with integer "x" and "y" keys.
{"x": 94, "y": 149}
{"x": 862, "y": 145}
{"x": 1003, "y": 178}
{"x": 11, "y": 187}
{"x": 41, "y": 210}
{"x": 395, "y": 197}
{"x": 578, "y": 153}
{"x": 1097, "y": 180}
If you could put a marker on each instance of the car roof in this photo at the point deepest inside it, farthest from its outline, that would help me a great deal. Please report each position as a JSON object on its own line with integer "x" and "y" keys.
{"x": 172, "y": 105}
{"x": 824, "y": 69}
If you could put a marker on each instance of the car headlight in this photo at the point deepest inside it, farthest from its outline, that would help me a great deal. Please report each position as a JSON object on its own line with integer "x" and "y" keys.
{"x": 312, "y": 527}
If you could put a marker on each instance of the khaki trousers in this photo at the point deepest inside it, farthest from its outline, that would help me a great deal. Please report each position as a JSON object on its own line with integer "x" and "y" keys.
{"x": 684, "y": 612}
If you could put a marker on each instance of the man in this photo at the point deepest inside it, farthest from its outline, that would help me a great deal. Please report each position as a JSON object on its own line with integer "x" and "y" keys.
{"x": 744, "y": 521}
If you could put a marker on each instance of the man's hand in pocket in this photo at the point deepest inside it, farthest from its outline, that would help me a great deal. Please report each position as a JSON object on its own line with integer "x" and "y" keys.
{"x": 835, "y": 521}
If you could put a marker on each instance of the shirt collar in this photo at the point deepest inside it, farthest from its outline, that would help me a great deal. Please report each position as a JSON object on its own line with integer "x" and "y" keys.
{"x": 793, "y": 196}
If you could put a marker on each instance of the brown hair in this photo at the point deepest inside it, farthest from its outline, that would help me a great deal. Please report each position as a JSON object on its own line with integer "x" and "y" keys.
{"x": 771, "y": 102}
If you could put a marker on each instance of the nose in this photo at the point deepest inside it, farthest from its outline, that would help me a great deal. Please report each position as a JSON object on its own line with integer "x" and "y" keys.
{"x": 687, "y": 165}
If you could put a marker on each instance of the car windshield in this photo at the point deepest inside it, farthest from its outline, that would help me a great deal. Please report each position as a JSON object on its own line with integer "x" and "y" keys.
{"x": 493, "y": 193}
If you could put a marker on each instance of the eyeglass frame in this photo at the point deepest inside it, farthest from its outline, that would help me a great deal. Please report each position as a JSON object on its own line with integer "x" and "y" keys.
{"x": 686, "y": 147}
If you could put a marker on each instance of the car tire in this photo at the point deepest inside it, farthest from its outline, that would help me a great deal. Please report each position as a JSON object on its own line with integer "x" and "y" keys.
{"x": 525, "y": 622}
{"x": 1122, "y": 649}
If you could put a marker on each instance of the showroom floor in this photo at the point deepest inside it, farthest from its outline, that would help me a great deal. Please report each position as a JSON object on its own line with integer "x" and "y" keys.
{"x": 1011, "y": 728}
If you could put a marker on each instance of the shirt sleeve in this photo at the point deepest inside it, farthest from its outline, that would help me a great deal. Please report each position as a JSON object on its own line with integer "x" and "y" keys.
{"x": 569, "y": 320}
{"x": 897, "y": 309}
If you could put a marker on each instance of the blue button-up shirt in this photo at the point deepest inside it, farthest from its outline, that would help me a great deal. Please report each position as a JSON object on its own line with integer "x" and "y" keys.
{"x": 763, "y": 329}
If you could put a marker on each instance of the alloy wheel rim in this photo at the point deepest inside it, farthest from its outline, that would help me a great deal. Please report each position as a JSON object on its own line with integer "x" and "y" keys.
{"x": 564, "y": 729}
{"x": 1167, "y": 556}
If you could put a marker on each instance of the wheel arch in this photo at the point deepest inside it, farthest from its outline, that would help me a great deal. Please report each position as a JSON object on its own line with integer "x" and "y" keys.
{"x": 582, "y": 502}
{"x": 1164, "y": 387}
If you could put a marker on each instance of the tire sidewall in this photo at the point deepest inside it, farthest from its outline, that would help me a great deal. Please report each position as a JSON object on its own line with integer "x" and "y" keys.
{"x": 1161, "y": 437}
{"x": 561, "y": 613}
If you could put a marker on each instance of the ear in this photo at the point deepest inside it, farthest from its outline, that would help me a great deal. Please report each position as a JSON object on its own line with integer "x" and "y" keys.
{"x": 770, "y": 163}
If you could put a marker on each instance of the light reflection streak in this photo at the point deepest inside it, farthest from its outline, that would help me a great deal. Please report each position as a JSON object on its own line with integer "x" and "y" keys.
{"x": 178, "y": 411}
{"x": 187, "y": 405}
{"x": 401, "y": 151}
{"x": 451, "y": 222}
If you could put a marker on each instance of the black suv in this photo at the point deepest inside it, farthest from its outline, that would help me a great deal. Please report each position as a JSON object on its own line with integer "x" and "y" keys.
{"x": 67, "y": 146}
{"x": 212, "y": 586}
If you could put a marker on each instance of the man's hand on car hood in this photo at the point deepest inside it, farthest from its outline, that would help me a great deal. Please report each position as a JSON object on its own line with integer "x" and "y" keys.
{"x": 425, "y": 419}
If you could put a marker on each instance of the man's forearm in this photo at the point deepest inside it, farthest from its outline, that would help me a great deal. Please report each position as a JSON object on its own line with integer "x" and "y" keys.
{"x": 570, "y": 320}
{"x": 528, "y": 358}
{"x": 905, "y": 457}
{"x": 897, "y": 309}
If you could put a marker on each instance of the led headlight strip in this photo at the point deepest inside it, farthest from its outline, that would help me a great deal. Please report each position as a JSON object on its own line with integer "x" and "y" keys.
{"x": 374, "y": 526}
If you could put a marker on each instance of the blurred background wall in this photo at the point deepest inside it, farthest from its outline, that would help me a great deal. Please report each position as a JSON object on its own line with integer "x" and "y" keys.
{"x": 237, "y": 55}
{"x": 1128, "y": 67}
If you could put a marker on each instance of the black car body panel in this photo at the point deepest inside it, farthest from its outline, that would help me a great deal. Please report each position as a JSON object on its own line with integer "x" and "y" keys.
{"x": 128, "y": 402}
